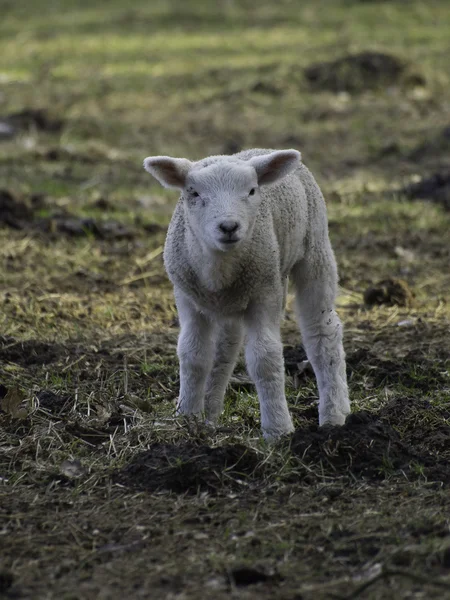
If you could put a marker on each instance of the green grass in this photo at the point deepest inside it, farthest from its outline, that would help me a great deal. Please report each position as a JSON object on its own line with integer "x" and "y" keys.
{"x": 89, "y": 330}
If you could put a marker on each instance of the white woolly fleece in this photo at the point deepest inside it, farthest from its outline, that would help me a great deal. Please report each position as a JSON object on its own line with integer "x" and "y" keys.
{"x": 243, "y": 225}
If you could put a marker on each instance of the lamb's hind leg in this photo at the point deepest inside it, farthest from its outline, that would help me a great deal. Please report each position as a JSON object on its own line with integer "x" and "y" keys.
{"x": 316, "y": 287}
{"x": 228, "y": 343}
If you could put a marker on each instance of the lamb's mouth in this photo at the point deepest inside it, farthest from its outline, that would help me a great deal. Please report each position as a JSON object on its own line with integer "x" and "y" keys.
{"x": 229, "y": 242}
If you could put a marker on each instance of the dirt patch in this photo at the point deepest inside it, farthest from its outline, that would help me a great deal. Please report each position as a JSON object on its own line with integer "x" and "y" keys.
{"x": 53, "y": 403}
{"x": 6, "y": 581}
{"x": 423, "y": 427}
{"x": 435, "y": 146}
{"x": 392, "y": 292}
{"x": 404, "y": 439}
{"x": 357, "y": 72}
{"x": 94, "y": 436}
{"x": 436, "y": 188}
{"x": 82, "y": 226}
{"x": 20, "y": 213}
{"x": 61, "y": 154}
{"x": 264, "y": 87}
{"x": 6, "y": 131}
{"x": 365, "y": 446}
{"x": 188, "y": 468}
{"x": 32, "y": 353}
{"x": 29, "y": 352}
{"x": 245, "y": 576}
{"x": 33, "y": 118}
{"x": 417, "y": 371}
{"x": 13, "y": 212}
{"x": 293, "y": 357}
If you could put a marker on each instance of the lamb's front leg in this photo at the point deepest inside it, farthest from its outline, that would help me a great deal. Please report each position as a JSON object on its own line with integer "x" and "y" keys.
{"x": 195, "y": 353}
{"x": 265, "y": 363}
{"x": 321, "y": 331}
{"x": 228, "y": 343}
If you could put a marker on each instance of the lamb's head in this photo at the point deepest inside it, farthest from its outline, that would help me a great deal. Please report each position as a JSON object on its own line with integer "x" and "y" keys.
{"x": 221, "y": 196}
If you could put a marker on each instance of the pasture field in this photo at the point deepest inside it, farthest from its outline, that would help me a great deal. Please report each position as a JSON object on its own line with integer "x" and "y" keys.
{"x": 104, "y": 494}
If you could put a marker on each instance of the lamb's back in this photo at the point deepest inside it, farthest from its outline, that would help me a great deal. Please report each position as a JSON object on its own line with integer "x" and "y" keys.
{"x": 297, "y": 210}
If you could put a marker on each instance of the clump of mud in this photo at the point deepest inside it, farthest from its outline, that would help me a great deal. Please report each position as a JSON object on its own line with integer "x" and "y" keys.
{"x": 436, "y": 188}
{"x": 359, "y": 72}
{"x": 28, "y": 352}
{"x": 13, "y": 212}
{"x": 18, "y": 213}
{"x": 187, "y": 467}
{"x": 418, "y": 370}
{"x": 33, "y": 118}
{"x": 392, "y": 292}
{"x": 423, "y": 427}
{"x": 82, "y": 226}
{"x": 364, "y": 445}
{"x": 436, "y": 146}
{"x": 408, "y": 438}
{"x": 6, "y": 581}
{"x": 293, "y": 357}
{"x": 55, "y": 404}
{"x": 245, "y": 576}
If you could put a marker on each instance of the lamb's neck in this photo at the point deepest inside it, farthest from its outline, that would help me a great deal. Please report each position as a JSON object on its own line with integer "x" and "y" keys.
{"x": 215, "y": 270}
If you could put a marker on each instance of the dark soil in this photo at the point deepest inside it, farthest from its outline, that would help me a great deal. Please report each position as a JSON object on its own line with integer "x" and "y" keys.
{"x": 33, "y": 118}
{"x": 409, "y": 438}
{"x": 13, "y": 212}
{"x": 53, "y": 403}
{"x": 436, "y": 188}
{"x": 128, "y": 497}
{"x": 6, "y": 581}
{"x": 436, "y": 147}
{"x": 188, "y": 467}
{"x": 401, "y": 440}
{"x": 244, "y": 576}
{"x": 293, "y": 356}
{"x": 94, "y": 436}
{"x": 29, "y": 352}
{"x": 417, "y": 370}
{"x": 82, "y": 226}
{"x": 357, "y": 72}
{"x": 21, "y": 214}
{"x": 392, "y": 292}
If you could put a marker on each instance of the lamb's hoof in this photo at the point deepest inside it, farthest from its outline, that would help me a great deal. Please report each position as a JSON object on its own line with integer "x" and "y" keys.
{"x": 181, "y": 410}
{"x": 210, "y": 425}
{"x": 333, "y": 420}
{"x": 272, "y": 436}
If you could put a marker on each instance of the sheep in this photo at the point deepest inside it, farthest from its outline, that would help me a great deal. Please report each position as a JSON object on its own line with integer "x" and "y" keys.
{"x": 243, "y": 225}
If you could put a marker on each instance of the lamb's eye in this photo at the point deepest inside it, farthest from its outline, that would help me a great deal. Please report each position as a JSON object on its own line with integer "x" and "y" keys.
{"x": 195, "y": 194}
{"x": 252, "y": 192}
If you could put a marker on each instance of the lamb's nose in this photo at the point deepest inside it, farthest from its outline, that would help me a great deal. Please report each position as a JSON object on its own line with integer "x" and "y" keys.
{"x": 229, "y": 226}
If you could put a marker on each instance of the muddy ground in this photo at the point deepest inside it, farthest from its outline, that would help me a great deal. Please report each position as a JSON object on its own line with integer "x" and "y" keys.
{"x": 104, "y": 493}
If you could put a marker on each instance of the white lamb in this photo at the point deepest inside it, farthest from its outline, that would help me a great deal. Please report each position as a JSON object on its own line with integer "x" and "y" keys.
{"x": 244, "y": 224}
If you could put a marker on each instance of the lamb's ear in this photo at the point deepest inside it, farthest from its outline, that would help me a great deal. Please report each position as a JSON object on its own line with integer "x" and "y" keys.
{"x": 276, "y": 165}
{"x": 170, "y": 172}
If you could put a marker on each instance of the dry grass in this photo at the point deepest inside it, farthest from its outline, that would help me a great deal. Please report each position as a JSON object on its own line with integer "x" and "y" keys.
{"x": 103, "y": 492}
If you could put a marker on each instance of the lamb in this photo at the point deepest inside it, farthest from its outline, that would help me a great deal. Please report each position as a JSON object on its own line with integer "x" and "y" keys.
{"x": 243, "y": 224}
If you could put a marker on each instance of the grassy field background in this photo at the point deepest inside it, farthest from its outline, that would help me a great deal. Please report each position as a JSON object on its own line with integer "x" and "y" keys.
{"x": 103, "y": 493}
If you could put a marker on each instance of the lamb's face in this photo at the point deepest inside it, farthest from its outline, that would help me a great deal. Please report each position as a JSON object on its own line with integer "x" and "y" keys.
{"x": 222, "y": 202}
{"x": 222, "y": 199}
